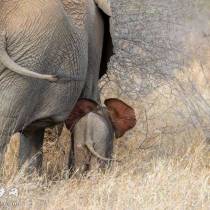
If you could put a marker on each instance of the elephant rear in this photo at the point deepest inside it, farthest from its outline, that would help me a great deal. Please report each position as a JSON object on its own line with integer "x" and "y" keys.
{"x": 40, "y": 37}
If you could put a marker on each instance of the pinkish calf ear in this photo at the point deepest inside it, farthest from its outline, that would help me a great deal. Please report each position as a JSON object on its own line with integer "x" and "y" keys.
{"x": 122, "y": 116}
{"x": 82, "y": 107}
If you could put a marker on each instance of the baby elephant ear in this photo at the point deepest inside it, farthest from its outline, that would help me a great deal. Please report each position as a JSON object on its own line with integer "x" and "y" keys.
{"x": 81, "y": 108}
{"x": 122, "y": 116}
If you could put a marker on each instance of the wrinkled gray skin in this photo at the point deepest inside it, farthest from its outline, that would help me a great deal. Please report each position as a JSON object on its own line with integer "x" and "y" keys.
{"x": 44, "y": 38}
{"x": 92, "y": 139}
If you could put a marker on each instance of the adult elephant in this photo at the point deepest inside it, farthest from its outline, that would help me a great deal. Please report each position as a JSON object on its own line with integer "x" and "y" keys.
{"x": 46, "y": 63}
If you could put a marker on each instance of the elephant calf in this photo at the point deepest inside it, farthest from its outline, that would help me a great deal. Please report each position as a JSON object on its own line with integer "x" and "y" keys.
{"x": 93, "y": 129}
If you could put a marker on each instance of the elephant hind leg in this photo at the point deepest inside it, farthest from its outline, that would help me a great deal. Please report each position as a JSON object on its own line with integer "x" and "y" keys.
{"x": 30, "y": 152}
{"x": 4, "y": 140}
{"x": 6, "y": 130}
{"x": 81, "y": 158}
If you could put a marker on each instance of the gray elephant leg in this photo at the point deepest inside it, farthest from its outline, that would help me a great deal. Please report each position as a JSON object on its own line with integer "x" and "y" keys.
{"x": 6, "y": 131}
{"x": 31, "y": 150}
{"x": 4, "y": 140}
{"x": 79, "y": 157}
{"x": 82, "y": 159}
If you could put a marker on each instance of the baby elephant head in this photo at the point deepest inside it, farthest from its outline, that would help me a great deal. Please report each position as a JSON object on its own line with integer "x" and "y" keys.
{"x": 121, "y": 115}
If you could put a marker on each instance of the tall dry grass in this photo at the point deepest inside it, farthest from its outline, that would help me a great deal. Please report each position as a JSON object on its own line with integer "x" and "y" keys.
{"x": 150, "y": 178}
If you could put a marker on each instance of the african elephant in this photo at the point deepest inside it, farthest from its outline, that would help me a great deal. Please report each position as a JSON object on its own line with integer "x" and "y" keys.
{"x": 47, "y": 61}
{"x": 93, "y": 130}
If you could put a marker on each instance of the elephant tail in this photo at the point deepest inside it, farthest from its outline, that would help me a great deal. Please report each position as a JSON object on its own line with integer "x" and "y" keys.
{"x": 10, "y": 64}
{"x": 92, "y": 150}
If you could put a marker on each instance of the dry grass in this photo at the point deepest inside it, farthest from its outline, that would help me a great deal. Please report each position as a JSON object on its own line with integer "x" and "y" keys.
{"x": 141, "y": 182}
{"x": 145, "y": 179}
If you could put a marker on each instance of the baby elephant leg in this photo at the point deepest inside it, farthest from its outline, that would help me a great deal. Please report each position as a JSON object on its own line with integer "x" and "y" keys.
{"x": 31, "y": 150}
{"x": 79, "y": 158}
